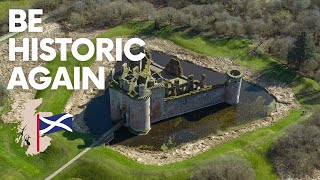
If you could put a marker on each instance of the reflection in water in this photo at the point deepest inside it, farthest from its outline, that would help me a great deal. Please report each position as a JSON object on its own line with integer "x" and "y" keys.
{"x": 254, "y": 104}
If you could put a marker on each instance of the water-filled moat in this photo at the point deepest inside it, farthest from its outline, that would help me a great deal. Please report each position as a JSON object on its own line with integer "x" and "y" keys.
{"x": 254, "y": 103}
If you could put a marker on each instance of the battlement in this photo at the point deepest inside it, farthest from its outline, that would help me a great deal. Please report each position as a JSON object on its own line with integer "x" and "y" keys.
{"x": 145, "y": 92}
{"x": 234, "y": 74}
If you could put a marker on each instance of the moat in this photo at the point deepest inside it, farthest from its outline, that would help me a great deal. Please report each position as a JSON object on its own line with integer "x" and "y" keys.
{"x": 254, "y": 103}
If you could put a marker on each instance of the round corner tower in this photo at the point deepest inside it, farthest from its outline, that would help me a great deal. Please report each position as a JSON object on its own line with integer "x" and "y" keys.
{"x": 139, "y": 120}
{"x": 233, "y": 87}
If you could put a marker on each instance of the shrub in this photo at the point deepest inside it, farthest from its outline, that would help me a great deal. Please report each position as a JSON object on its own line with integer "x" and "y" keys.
{"x": 317, "y": 75}
{"x": 166, "y": 15}
{"x": 182, "y": 19}
{"x": 311, "y": 65}
{"x": 4, "y": 28}
{"x": 146, "y": 10}
{"x": 47, "y": 5}
{"x": 297, "y": 155}
{"x": 225, "y": 167}
{"x": 78, "y": 21}
{"x": 281, "y": 46}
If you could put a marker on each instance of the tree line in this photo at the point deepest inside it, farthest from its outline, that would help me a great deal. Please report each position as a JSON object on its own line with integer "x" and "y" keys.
{"x": 286, "y": 29}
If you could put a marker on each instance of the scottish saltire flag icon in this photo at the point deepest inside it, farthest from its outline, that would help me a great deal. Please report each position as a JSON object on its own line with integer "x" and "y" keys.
{"x": 55, "y": 123}
{"x": 48, "y": 125}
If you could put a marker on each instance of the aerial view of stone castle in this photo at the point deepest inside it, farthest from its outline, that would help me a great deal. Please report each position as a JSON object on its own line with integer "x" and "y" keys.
{"x": 144, "y": 93}
{"x": 218, "y": 89}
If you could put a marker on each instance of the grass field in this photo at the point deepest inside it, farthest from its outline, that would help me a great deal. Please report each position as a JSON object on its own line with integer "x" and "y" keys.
{"x": 101, "y": 162}
{"x": 15, "y": 164}
{"x": 5, "y": 5}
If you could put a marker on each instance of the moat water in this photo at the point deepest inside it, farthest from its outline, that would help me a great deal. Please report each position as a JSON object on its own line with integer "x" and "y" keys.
{"x": 255, "y": 103}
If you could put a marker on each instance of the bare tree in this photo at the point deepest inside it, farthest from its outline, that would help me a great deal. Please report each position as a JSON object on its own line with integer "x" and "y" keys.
{"x": 296, "y": 6}
{"x": 167, "y": 15}
{"x": 146, "y": 10}
{"x": 310, "y": 20}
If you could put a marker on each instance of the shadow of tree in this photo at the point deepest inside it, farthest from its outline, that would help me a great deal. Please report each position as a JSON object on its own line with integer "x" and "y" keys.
{"x": 308, "y": 93}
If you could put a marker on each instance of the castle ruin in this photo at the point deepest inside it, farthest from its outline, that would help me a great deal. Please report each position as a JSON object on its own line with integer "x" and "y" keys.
{"x": 144, "y": 93}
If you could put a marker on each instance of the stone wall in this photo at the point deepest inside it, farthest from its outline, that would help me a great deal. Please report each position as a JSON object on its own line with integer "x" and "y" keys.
{"x": 157, "y": 103}
{"x": 136, "y": 111}
{"x": 115, "y": 100}
{"x": 233, "y": 92}
{"x": 138, "y": 115}
{"x": 142, "y": 111}
{"x": 193, "y": 102}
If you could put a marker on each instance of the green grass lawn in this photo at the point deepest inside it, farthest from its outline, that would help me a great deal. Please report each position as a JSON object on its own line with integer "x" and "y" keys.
{"x": 101, "y": 162}
{"x": 15, "y": 164}
{"x": 9, "y": 4}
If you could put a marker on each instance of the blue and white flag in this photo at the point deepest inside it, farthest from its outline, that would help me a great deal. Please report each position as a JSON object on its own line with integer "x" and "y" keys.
{"x": 55, "y": 123}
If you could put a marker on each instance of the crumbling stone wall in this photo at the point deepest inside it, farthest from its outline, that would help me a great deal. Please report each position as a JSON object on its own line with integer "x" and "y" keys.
{"x": 174, "y": 67}
{"x": 157, "y": 103}
{"x": 193, "y": 102}
{"x": 138, "y": 115}
{"x": 157, "y": 100}
{"x": 141, "y": 111}
{"x": 115, "y": 104}
{"x": 136, "y": 111}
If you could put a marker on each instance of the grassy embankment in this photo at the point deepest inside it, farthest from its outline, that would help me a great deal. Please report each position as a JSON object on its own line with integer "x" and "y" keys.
{"x": 102, "y": 162}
